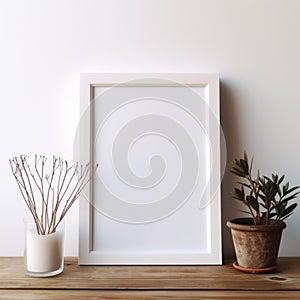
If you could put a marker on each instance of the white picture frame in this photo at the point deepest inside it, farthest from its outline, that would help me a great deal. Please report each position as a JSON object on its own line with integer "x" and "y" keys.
{"x": 110, "y": 234}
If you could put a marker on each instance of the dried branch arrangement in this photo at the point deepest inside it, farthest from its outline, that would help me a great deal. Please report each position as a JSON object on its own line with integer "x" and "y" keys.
{"x": 49, "y": 195}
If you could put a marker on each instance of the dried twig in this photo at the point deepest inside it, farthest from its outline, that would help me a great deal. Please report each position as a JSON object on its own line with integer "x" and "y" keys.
{"x": 57, "y": 190}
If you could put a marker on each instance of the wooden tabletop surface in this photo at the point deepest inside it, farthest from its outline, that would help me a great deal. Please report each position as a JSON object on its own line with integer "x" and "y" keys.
{"x": 150, "y": 282}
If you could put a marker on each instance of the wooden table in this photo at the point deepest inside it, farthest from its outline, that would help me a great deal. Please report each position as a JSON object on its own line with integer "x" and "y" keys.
{"x": 150, "y": 282}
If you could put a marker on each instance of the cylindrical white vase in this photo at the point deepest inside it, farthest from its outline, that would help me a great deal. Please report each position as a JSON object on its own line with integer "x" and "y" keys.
{"x": 44, "y": 253}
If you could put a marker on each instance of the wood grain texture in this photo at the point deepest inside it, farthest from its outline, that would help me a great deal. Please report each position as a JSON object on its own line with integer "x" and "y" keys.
{"x": 145, "y": 295}
{"x": 150, "y": 282}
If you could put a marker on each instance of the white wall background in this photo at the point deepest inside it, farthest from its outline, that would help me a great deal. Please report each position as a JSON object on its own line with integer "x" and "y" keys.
{"x": 45, "y": 45}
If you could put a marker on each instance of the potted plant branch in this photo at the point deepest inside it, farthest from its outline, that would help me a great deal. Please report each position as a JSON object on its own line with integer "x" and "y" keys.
{"x": 49, "y": 191}
{"x": 268, "y": 201}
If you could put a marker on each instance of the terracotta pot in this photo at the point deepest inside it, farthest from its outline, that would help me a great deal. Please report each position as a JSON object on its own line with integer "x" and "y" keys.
{"x": 256, "y": 246}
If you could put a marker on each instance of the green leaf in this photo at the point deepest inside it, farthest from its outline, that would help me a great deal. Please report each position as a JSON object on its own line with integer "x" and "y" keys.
{"x": 279, "y": 191}
{"x": 251, "y": 165}
{"x": 253, "y": 202}
{"x": 279, "y": 208}
{"x": 271, "y": 215}
{"x": 289, "y": 210}
{"x": 274, "y": 177}
{"x": 293, "y": 196}
{"x": 290, "y": 190}
{"x": 245, "y": 156}
{"x": 237, "y": 172}
{"x": 285, "y": 188}
{"x": 245, "y": 166}
{"x": 281, "y": 179}
{"x": 281, "y": 219}
{"x": 239, "y": 194}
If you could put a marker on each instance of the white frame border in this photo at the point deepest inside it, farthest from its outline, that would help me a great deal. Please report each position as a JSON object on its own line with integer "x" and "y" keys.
{"x": 88, "y": 257}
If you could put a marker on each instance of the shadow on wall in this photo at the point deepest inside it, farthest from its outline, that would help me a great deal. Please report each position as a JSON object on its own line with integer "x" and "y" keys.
{"x": 230, "y": 125}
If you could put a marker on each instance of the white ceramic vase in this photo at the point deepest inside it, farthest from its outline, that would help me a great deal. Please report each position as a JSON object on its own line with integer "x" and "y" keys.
{"x": 43, "y": 253}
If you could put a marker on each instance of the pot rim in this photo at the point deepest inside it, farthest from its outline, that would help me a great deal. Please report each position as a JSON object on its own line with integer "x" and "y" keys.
{"x": 239, "y": 224}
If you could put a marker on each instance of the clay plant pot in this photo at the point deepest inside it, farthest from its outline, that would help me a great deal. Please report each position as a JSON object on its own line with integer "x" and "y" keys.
{"x": 256, "y": 246}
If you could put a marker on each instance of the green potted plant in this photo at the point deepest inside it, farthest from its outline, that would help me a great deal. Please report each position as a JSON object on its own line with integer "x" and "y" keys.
{"x": 268, "y": 201}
